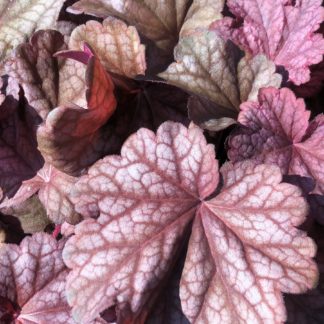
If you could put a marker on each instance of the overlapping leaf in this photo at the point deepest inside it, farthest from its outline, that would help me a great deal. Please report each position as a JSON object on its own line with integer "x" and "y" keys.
{"x": 20, "y": 159}
{"x": 118, "y": 47}
{"x": 70, "y": 138}
{"x": 243, "y": 248}
{"x": 283, "y": 30}
{"x": 208, "y": 66}
{"x": 19, "y": 19}
{"x": 53, "y": 188}
{"x": 32, "y": 278}
{"x": 276, "y": 130}
{"x": 33, "y": 66}
{"x": 159, "y": 21}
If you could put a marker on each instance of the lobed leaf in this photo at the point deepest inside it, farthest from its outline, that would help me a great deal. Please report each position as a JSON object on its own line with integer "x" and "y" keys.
{"x": 208, "y": 66}
{"x": 149, "y": 200}
{"x": 33, "y": 276}
{"x": 117, "y": 46}
{"x": 276, "y": 130}
{"x": 283, "y": 31}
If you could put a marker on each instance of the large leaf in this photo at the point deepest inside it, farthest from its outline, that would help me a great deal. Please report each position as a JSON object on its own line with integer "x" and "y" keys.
{"x": 276, "y": 130}
{"x": 32, "y": 277}
{"x": 19, "y": 19}
{"x": 71, "y": 138}
{"x": 158, "y": 21}
{"x": 283, "y": 31}
{"x": 243, "y": 240}
{"x": 117, "y": 46}
{"x": 208, "y": 66}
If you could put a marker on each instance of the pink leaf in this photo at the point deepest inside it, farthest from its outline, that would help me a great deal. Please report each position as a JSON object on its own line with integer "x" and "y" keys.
{"x": 242, "y": 241}
{"x": 279, "y": 29}
{"x": 53, "y": 188}
{"x": 276, "y": 130}
{"x": 33, "y": 276}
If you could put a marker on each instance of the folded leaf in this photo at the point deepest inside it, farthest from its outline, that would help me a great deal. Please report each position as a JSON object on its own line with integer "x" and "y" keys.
{"x": 158, "y": 21}
{"x": 19, "y": 19}
{"x": 33, "y": 66}
{"x": 117, "y": 46}
{"x": 283, "y": 31}
{"x": 208, "y": 66}
{"x": 276, "y": 130}
{"x": 32, "y": 276}
{"x": 70, "y": 138}
{"x": 242, "y": 241}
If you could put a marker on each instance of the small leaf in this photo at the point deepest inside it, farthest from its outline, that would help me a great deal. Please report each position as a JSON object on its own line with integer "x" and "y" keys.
{"x": 280, "y": 30}
{"x": 19, "y": 19}
{"x": 276, "y": 130}
{"x": 210, "y": 67}
{"x": 117, "y": 46}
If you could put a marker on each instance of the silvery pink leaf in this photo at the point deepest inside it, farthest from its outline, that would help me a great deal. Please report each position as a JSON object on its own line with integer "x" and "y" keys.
{"x": 243, "y": 251}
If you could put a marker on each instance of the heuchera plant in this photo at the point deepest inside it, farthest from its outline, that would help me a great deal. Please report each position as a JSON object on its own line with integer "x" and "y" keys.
{"x": 161, "y": 162}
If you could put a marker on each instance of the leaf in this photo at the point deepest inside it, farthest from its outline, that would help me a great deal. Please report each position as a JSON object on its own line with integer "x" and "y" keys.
{"x": 36, "y": 70}
{"x": 117, "y": 46}
{"x": 244, "y": 249}
{"x": 147, "y": 200}
{"x": 158, "y": 21}
{"x": 308, "y": 308}
{"x": 276, "y": 130}
{"x": 53, "y": 188}
{"x": 30, "y": 213}
{"x": 19, "y": 19}
{"x": 33, "y": 276}
{"x": 208, "y": 66}
{"x": 70, "y": 138}
{"x": 19, "y": 158}
{"x": 285, "y": 33}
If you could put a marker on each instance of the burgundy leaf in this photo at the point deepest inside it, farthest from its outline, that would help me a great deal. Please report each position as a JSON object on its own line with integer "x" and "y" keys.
{"x": 276, "y": 130}
{"x": 70, "y": 138}
{"x": 19, "y": 157}
{"x": 147, "y": 199}
{"x": 283, "y": 31}
{"x": 32, "y": 277}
